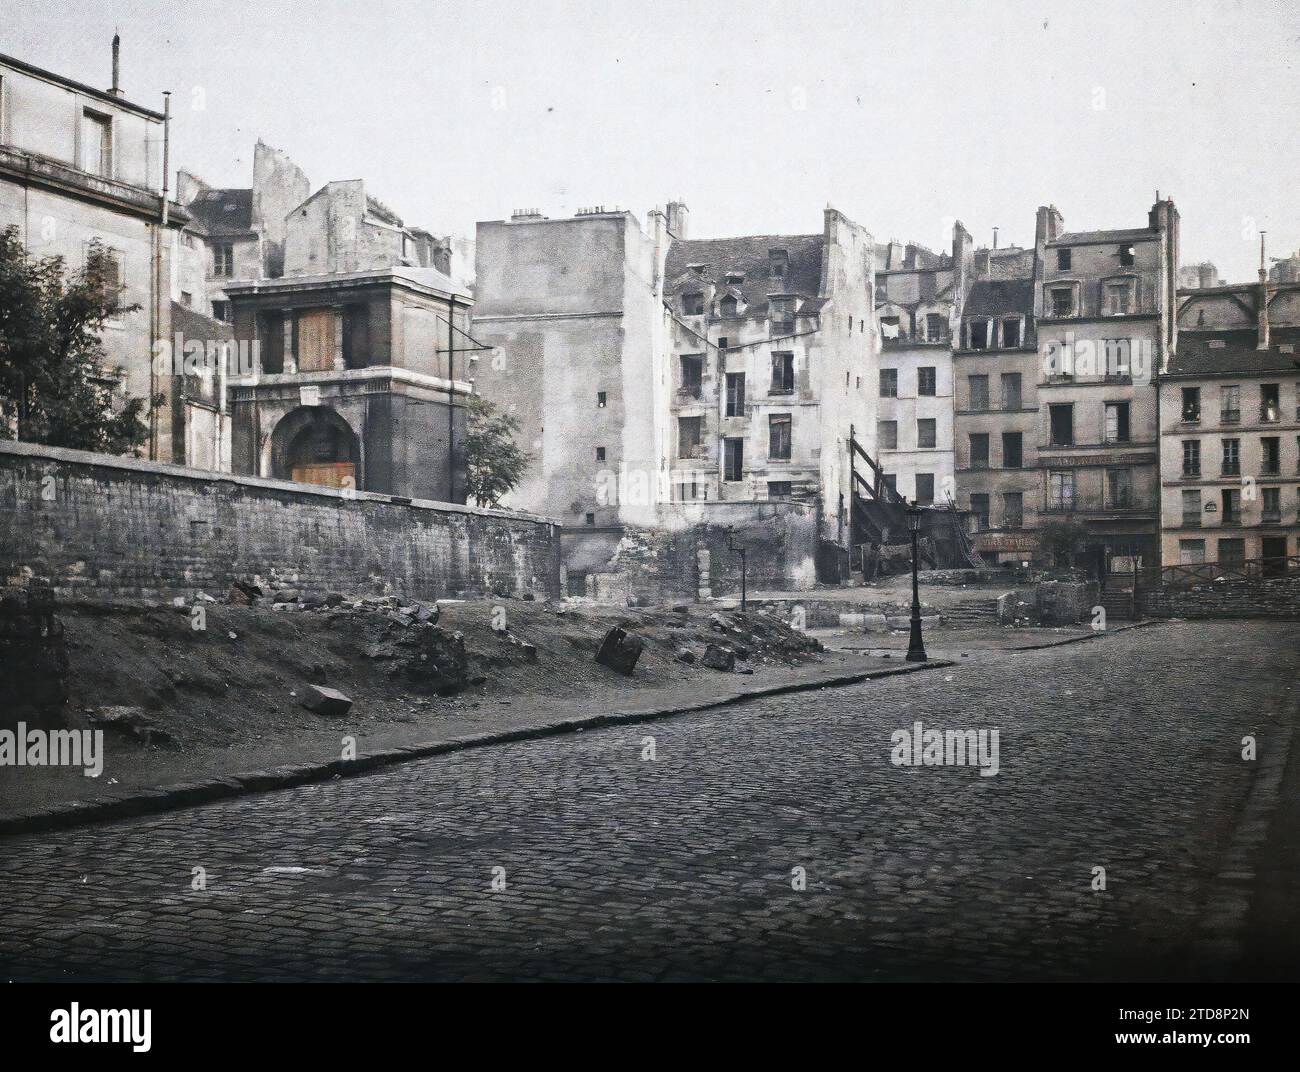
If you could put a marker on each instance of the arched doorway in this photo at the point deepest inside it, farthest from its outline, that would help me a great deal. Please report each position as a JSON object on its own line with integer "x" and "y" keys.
{"x": 314, "y": 445}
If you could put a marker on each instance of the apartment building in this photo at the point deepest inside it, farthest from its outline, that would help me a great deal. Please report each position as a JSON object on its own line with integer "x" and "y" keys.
{"x": 81, "y": 165}
{"x": 1230, "y": 430}
{"x": 996, "y": 437}
{"x": 919, "y": 297}
{"x": 1104, "y": 307}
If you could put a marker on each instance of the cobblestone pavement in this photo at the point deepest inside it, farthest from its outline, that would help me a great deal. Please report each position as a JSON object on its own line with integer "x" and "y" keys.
{"x": 1123, "y": 753}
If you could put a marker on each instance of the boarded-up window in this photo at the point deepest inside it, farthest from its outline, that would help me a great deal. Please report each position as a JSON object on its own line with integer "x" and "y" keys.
{"x": 780, "y": 427}
{"x": 315, "y": 340}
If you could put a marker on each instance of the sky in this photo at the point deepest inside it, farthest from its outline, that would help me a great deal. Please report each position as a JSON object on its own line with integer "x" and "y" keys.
{"x": 903, "y": 115}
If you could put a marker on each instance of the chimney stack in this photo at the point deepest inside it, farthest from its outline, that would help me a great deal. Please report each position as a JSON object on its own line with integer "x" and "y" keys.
{"x": 678, "y": 219}
{"x": 116, "y": 88}
{"x": 1262, "y": 342}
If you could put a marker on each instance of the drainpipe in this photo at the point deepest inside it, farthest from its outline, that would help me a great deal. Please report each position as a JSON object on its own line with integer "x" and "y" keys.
{"x": 160, "y": 232}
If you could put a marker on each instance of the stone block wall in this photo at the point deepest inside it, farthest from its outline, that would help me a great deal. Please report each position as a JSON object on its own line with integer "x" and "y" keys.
{"x": 1276, "y": 597}
{"x": 103, "y": 529}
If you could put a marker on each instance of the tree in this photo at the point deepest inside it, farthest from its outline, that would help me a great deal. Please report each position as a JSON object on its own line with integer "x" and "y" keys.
{"x": 1062, "y": 540}
{"x": 53, "y": 369}
{"x": 494, "y": 464}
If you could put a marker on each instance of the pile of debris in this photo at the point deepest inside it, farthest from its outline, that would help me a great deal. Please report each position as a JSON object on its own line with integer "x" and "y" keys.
{"x": 735, "y": 637}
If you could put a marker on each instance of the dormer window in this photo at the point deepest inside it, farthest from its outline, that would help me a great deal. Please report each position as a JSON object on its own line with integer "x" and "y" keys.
{"x": 778, "y": 260}
{"x": 727, "y": 306}
{"x": 1063, "y": 260}
{"x": 1126, "y": 255}
{"x": 734, "y": 279}
{"x": 780, "y": 312}
{"x": 693, "y": 304}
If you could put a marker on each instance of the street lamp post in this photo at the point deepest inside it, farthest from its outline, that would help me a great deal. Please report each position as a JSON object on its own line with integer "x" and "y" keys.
{"x": 915, "y": 646}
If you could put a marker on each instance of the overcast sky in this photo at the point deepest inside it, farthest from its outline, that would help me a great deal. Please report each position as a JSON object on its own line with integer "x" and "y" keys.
{"x": 902, "y": 115}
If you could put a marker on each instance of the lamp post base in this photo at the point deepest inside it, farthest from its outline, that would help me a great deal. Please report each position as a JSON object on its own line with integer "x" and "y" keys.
{"x": 916, "y": 647}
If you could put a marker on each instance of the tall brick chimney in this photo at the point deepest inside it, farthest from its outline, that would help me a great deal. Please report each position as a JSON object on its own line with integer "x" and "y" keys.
{"x": 1262, "y": 332}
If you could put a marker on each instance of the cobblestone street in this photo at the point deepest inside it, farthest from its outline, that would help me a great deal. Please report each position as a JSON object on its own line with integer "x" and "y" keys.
{"x": 1122, "y": 753}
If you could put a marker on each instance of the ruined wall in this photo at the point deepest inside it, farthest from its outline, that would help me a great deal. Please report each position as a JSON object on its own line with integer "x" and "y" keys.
{"x": 104, "y": 528}
{"x": 690, "y": 560}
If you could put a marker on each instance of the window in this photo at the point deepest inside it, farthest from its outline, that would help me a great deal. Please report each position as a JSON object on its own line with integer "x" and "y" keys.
{"x": 979, "y": 506}
{"x": 779, "y": 435}
{"x": 1013, "y": 453}
{"x": 1192, "y": 508}
{"x": 96, "y": 143}
{"x": 936, "y": 327}
{"x": 1062, "y": 423}
{"x": 889, "y": 383}
{"x": 600, "y": 454}
{"x": 1063, "y": 260}
{"x": 735, "y": 394}
{"x": 925, "y": 380}
{"x": 924, "y": 489}
{"x": 1230, "y": 404}
{"x": 1231, "y": 500}
{"x": 926, "y": 433}
{"x": 590, "y": 519}
{"x": 1013, "y": 509}
{"x": 1272, "y": 447}
{"x": 1191, "y": 457}
{"x": 891, "y": 482}
{"x": 979, "y": 391}
{"x": 693, "y": 304}
{"x": 1119, "y": 298}
{"x": 1119, "y": 488}
{"x": 1126, "y": 254}
{"x": 221, "y": 311}
{"x": 1232, "y": 551}
{"x": 779, "y": 489}
{"x": 782, "y": 374}
{"x": 692, "y": 374}
{"x": 1117, "y": 358}
{"x": 1011, "y": 390}
{"x": 690, "y": 435}
{"x": 1117, "y": 427}
{"x": 889, "y": 327}
{"x": 1191, "y": 552}
{"x": 223, "y": 259}
{"x": 727, "y": 306}
{"x": 600, "y": 400}
{"x": 1011, "y": 333}
{"x": 979, "y": 450}
{"x": 734, "y": 279}
{"x": 777, "y": 261}
{"x": 187, "y": 298}
{"x": 1191, "y": 405}
{"x": 1060, "y": 489}
{"x": 1231, "y": 457}
{"x": 1272, "y": 505}
{"x": 733, "y": 459}
{"x": 887, "y": 435}
{"x": 1062, "y": 301}
{"x": 1270, "y": 403}
{"x": 979, "y": 334}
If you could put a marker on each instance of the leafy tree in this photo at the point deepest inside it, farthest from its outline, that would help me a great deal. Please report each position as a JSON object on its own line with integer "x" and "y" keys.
{"x": 494, "y": 464}
{"x": 1062, "y": 540}
{"x": 53, "y": 374}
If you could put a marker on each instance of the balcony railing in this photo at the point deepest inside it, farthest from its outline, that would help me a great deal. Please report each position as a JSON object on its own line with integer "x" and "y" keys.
{"x": 1230, "y": 416}
{"x": 1185, "y": 575}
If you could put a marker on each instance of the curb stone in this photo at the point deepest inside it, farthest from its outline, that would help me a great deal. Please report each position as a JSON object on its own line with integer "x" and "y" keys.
{"x": 155, "y": 800}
